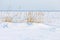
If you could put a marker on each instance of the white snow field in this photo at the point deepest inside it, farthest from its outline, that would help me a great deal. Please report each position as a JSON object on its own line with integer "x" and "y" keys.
{"x": 24, "y": 31}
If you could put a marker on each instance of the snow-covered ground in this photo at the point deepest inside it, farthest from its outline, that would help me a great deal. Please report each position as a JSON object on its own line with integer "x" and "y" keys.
{"x": 24, "y": 31}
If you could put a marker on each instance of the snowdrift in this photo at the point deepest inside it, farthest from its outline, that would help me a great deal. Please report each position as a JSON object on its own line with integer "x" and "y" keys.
{"x": 24, "y": 31}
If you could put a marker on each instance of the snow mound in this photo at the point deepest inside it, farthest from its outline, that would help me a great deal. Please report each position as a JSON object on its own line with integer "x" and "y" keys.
{"x": 25, "y": 25}
{"x": 24, "y": 31}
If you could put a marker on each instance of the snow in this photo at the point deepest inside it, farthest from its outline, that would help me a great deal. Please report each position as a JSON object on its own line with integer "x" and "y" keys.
{"x": 24, "y": 31}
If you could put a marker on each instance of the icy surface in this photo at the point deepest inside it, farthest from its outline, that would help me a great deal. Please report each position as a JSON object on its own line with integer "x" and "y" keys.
{"x": 24, "y": 31}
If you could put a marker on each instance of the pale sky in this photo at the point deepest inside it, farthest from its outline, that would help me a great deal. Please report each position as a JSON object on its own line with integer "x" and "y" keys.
{"x": 29, "y": 4}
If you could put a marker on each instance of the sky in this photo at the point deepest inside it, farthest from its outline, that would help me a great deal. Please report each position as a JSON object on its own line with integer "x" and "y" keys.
{"x": 29, "y": 4}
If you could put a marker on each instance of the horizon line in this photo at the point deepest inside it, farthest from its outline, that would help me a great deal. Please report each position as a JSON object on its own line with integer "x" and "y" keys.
{"x": 30, "y": 10}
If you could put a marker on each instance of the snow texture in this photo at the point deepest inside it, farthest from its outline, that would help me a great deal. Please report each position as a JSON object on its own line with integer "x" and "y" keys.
{"x": 24, "y": 31}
